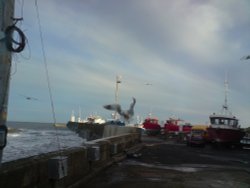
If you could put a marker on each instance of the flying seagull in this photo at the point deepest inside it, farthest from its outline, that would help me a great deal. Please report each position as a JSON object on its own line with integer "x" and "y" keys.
{"x": 126, "y": 114}
{"x": 28, "y": 97}
{"x": 148, "y": 84}
{"x": 245, "y": 57}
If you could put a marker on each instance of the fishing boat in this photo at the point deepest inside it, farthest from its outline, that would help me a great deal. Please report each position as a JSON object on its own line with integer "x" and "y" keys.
{"x": 90, "y": 128}
{"x": 224, "y": 128}
{"x": 151, "y": 126}
{"x": 176, "y": 126}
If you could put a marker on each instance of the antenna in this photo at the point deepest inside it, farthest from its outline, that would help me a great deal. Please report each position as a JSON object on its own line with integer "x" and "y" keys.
{"x": 72, "y": 118}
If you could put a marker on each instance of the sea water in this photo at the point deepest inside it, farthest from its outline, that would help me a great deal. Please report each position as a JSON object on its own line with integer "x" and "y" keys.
{"x": 27, "y": 139}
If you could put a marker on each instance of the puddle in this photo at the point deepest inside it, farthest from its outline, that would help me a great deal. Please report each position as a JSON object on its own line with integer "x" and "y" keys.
{"x": 225, "y": 159}
{"x": 155, "y": 179}
{"x": 160, "y": 166}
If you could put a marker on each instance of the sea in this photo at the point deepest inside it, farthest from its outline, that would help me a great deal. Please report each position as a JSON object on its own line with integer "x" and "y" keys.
{"x": 26, "y": 139}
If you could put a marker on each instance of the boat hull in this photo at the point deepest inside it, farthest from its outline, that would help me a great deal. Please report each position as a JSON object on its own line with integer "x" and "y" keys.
{"x": 224, "y": 136}
{"x": 88, "y": 131}
{"x": 152, "y": 132}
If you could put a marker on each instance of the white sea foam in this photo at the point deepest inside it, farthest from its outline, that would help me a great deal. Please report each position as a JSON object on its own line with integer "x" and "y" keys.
{"x": 34, "y": 139}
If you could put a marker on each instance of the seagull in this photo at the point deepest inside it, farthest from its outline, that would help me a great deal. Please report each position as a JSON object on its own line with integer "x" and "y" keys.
{"x": 28, "y": 97}
{"x": 245, "y": 57}
{"x": 127, "y": 114}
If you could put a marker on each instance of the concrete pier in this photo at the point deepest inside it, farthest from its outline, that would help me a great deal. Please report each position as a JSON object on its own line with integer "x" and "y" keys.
{"x": 70, "y": 167}
{"x": 166, "y": 163}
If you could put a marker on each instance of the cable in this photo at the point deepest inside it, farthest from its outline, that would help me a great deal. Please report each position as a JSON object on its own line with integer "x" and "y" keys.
{"x": 45, "y": 63}
{"x": 9, "y": 39}
{"x": 29, "y": 51}
{"x": 48, "y": 83}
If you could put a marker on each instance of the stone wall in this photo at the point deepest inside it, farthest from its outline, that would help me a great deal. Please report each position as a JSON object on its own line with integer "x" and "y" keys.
{"x": 91, "y": 131}
{"x": 67, "y": 168}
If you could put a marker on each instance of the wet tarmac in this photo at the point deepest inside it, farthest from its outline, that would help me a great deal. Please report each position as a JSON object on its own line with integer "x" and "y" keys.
{"x": 164, "y": 163}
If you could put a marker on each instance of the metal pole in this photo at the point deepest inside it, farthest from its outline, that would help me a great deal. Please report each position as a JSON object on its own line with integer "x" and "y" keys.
{"x": 116, "y": 91}
{"x": 118, "y": 81}
{"x": 6, "y": 15}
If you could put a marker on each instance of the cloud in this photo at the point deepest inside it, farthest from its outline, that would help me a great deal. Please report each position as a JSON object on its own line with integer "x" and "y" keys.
{"x": 182, "y": 47}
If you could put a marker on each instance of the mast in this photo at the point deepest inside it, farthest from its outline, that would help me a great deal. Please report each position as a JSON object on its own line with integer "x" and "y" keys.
{"x": 225, "y": 106}
{"x": 6, "y": 15}
{"x": 72, "y": 117}
{"x": 79, "y": 119}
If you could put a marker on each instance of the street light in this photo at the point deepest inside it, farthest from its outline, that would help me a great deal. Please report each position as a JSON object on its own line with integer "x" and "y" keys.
{"x": 118, "y": 81}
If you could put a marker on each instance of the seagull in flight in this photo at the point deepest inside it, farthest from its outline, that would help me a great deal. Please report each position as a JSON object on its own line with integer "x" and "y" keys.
{"x": 245, "y": 57}
{"x": 126, "y": 114}
{"x": 28, "y": 97}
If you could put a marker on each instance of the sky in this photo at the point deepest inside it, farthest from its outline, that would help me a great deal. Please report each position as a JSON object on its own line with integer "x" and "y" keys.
{"x": 172, "y": 56}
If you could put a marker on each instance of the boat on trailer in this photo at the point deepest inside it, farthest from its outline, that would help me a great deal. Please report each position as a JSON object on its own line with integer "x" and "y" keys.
{"x": 224, "y": 128}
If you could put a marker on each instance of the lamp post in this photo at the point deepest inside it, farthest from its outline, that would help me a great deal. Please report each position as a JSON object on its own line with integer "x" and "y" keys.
{"x": 118, "y": 81}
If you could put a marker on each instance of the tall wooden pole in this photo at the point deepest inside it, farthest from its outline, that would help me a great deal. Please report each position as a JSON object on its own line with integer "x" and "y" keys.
{"x": 6, "y": 15}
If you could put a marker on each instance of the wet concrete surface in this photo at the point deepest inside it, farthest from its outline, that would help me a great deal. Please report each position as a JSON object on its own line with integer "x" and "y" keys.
{"x": 169, "y": 164}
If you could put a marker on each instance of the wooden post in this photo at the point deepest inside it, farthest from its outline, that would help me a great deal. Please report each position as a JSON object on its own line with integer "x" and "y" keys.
{"x": 6, "y": 15}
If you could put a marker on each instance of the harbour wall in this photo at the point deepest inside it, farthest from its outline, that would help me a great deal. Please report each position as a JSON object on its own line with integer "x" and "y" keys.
{"x": 69, "y": 168}
{"x": 90, "y": 131}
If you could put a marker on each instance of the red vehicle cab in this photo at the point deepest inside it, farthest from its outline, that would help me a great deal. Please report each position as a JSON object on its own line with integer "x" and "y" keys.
{"x": 151, "y": 126}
